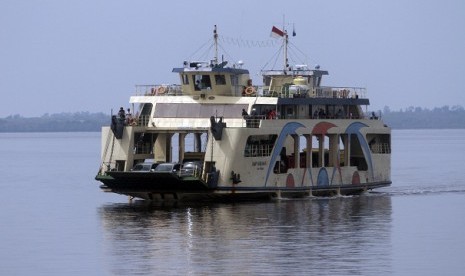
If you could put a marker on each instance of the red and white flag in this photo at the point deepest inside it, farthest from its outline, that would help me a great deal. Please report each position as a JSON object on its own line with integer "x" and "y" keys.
{"x": 276, "y": 33}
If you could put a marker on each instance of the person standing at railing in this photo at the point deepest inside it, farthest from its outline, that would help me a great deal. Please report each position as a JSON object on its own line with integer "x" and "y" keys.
{"x": 129, "y": 119}
{"x": 271, "y": 114}
{"x": 244, "y": 113}
{"x": 121, "y": 113}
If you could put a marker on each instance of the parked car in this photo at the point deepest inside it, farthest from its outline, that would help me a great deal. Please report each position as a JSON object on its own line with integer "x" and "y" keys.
{"x": 145, "y": 167}
{"x": 191, "y": 168}
{"x": 168, "y": 167}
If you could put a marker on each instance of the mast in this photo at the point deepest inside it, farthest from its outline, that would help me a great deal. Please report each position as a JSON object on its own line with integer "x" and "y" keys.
{"x": 286, "y": 43}
{"x": 215, "y": 38}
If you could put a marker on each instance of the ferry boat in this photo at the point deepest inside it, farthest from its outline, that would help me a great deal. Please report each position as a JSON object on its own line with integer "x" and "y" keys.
{"x": 289, "y": 137}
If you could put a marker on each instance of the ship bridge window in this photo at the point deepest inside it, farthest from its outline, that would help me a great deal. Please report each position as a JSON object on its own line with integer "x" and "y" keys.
{"x": 259, "y": 145}
{"x": 220, "y": 79}
{"x": 202, "y": 82}
{"x": 185, "y": 79}
{"x": 266, "y": 80}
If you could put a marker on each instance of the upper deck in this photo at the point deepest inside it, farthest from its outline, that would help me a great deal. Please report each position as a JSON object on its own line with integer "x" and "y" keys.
{"x": 283, "y": 94}
{"x": 203, "y": 80}
{"x": 167, "y": 106}
{"x": 216, "y": 88}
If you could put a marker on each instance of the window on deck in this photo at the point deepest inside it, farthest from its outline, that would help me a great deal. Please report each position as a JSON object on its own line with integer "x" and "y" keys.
{"x": 202, "y": 82}
{"x": 185, "y": 79}
{"x": 220, "y": 79}
{"x": 259, "y": 145}
{"x": 379, "y": 143}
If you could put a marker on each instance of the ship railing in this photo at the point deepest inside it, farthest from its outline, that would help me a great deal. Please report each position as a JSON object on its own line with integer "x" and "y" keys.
{"x": 289, "y": 91}
{"x": 107, "y": 166}
{"x": 285, "y": 91}
{"x": 339, "y": 92}
{"x": 158, "y": 90}
{"x": 253, "y": 121}
{"x": 143, "y": 120}
{"x": 140, "y": 120}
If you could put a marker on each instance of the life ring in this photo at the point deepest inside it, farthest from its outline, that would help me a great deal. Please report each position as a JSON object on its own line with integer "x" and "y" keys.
{"x": 250, "y": 90}
{"x": 161, "y": 90}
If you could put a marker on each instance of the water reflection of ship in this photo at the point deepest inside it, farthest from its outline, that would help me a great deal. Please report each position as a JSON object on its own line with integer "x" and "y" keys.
{"x": 320, "y": 230}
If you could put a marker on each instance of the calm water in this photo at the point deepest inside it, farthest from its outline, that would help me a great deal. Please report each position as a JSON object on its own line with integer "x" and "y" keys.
{"x": 56, "y": 221}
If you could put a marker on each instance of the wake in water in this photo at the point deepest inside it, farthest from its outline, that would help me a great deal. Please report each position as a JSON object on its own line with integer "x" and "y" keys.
{"x": 420, "y": 190}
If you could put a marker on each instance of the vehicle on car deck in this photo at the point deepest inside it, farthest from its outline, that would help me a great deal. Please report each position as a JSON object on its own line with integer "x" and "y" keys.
{"x": 191, "y": 168}
{"x": 145, "y": 167}
{"x": 168, "y": 167}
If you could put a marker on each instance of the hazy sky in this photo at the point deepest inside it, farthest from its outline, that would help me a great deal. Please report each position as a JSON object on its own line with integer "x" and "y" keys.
{"x": 87, "y": 55}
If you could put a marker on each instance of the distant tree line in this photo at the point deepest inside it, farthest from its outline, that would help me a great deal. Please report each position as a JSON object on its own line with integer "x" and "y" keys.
{"x": 420, "y": 118}
{"x": 408, "y": 118}
{"x": 60, "y": 122}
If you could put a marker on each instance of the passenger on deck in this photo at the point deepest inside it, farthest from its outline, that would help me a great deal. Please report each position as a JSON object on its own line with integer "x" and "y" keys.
{"x": 129, "y": 119}
{"x": 273, "y": 114}
{"x": 244, "y": 113}
{"x": 270, "y": 115}
{"x": 121, "y": 113}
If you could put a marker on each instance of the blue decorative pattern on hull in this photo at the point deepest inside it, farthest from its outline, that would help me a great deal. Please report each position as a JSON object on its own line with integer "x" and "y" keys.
{"x": 288, "y": 129}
